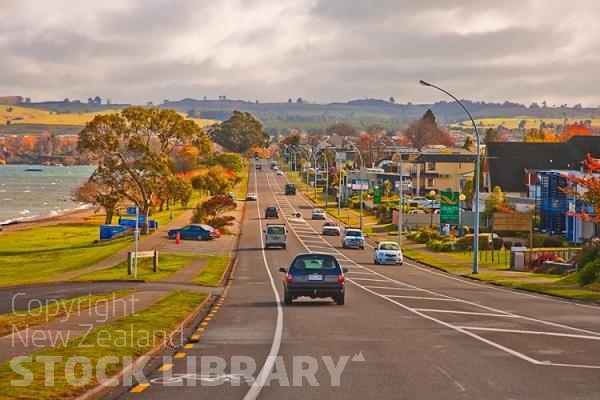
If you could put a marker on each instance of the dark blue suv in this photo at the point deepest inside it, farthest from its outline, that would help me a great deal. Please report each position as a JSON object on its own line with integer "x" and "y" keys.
{"x": 314, "y": 275}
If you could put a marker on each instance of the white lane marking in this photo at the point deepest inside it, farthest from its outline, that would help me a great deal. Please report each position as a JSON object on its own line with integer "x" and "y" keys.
{"x": 432, "y": 310}
{"x": 460, "y": 387}
{"x": 521, "y": 331}
{"x": 398, "y": 296}
{"x": 368, "y": 279}
{"x": 481, "y": 284}
{"x": 393, "y": 288}
{"x": 265, "y": 371}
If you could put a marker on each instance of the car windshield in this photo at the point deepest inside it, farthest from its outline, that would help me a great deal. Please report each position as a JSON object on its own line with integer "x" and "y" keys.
{"x": 277, "y": 230}
{"x": 354, "y": 233}
{"x": 314, "y": 262}
{"x": 389, "y": 246}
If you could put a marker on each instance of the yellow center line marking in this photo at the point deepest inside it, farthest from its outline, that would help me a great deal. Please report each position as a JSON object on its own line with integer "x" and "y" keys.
{"x": 212, "y": 314}
{"x": 203, "y": 323}
{"x": 140, "y": 388}
{"x": 195, "y": 337}
{"x": 165, "y": 367}
{"x": 207, "y": 318}
{"x": 189, "y": 345}
{"x": 179, "y": 355}
{"x": 200, "y": 330}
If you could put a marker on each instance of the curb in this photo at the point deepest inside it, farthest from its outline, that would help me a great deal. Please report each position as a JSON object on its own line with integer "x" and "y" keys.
{"x": 101, "y": 390}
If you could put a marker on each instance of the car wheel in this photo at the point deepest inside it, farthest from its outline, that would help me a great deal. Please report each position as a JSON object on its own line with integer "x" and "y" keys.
{"x": 362, "y": 247}
{"x": 400, "y": 263}
{"x": 340, "y": 300}
{"x": 284, "y": 246}
{"x": 375, "y": 261}
{"x": 200, "y": 237}
{"x": 287, "y": 300}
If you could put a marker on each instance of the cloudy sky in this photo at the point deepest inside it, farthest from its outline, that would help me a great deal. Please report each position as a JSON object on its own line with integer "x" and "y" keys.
{"x": 134, "y": 51}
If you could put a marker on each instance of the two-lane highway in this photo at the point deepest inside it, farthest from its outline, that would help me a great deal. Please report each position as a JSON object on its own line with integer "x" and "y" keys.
{"x": 405, "y": 331}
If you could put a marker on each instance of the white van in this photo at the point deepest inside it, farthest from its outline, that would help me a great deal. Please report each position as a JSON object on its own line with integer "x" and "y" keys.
{"x": 275, "y": 236}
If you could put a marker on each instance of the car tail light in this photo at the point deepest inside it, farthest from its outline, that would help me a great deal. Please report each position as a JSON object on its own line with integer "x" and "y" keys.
{"x": 288, "y": 278}
{"x": 341, "y": 279}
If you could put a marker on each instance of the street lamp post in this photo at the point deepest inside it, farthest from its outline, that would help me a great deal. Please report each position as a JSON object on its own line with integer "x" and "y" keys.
{"x": 432, "y": 195}
{"x": 476, "y": 177}
{"x": 461, "y": 199}
{"x": 400, "y": 194}
{"x": 362, "y": 167}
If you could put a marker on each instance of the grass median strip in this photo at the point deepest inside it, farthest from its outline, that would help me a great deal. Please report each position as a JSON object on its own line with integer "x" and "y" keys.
{"x": 168, "y": 264}
{"x": 130, "y": 336}
{"x": 55, "y": 309}
{"x": 212, "y": 273}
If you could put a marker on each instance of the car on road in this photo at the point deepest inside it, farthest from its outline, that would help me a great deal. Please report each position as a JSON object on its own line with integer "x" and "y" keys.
{"x": 353, "y": 237}
{"x": 314, "y": 275}
{"x": 290, "y": 189}
{"x": 318, "y": 213}
{"x": 195, "y": 232}
{"x": 251, "y": 197}
{"x": 275, "y": 236}
{"x": 331, "y": 229}
{"x": 279, "y": 172}
{"x": 388, "y": 252}
{"x": 271, "y": 212}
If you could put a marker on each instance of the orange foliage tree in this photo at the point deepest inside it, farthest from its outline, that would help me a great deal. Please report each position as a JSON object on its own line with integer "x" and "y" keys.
{"x": 587, "y": 189}
{"x": 571, "y": 130}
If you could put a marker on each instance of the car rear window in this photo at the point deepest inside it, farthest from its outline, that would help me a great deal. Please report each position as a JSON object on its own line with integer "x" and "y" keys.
{"x": 312, "y": 263}
{"x": 353, "y": 233}
{"x": 276, "y": 230}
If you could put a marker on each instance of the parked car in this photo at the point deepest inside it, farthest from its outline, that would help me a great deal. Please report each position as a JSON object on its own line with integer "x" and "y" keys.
{"x": 318, "y": 213}
{"x": 271, "y": 212}
{"x": 417, "y": 201}
{"x": 251, "y": 196}
{"x": 353, "y": 238}
{"x": 330, "y": 228}
{"x": 314, "y": 275}
{"x": 388, "y": 252}
{"x": 195, "y": 232}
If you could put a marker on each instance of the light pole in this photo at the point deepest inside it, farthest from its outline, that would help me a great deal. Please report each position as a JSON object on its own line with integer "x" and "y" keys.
{"x": 326, "y": 176}
{"x": 302, "y": 152}
{"x": 432, "y": 195}
{"x": 362, "y": 167}
{"x": 476, "y": 177}
{"x": 461, "y": 199}
{"x": 400, "y": 194}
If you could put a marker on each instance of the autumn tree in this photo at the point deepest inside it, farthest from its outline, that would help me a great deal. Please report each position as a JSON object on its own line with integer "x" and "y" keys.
{"x": 133, "y": 150}
{"x": 214, "y": 181}
{"x": 424, "y": 132}
{"x": 585, "y": 188}
{"x": 239, "y": 133}
{"x": 341, "y": 129}
{"x": 231, "y": 161}
{"x": 540, "y": 135}
{"x": 100, "y": 193}
{"x": 212, "y": 212}
{"x": 575, "y": 130}
{"x": 497, "y": 202}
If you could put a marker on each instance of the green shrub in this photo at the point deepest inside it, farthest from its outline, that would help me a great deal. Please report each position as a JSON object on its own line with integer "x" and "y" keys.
{"x": 440, "y": 246}
{"x": 589, "y": 273}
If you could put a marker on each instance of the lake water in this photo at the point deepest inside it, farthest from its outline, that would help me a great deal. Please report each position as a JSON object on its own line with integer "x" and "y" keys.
{"x": 32, "y": 191}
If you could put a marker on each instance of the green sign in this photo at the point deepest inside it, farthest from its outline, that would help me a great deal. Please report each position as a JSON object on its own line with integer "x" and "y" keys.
{"x": 449, "y": 208}
{"x": 377, "y": 195}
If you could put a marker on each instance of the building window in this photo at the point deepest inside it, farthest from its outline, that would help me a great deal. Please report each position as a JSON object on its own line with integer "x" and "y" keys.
{"x": 430, "y": 166}
{"x": 430, "y": 183}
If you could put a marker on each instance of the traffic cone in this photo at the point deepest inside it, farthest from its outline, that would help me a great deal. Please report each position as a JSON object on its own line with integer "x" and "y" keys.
{"x": 177, "y": 238}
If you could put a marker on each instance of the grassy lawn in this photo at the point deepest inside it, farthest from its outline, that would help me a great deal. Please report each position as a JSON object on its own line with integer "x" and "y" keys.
{"x": 132, "y": 336}
{"x": 168, "y": 264}
{"x": 54, "y": 310}
{"x": 39, "y": 254}
{"x": 211, "y": 274}
{"x": 242, "y": 187}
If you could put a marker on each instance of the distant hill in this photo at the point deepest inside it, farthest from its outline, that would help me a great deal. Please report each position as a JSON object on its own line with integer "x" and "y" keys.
{"x": 283, "y": 117}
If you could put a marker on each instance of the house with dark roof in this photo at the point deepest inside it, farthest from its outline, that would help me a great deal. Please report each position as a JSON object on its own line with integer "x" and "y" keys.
{"x": 509, "y": 164}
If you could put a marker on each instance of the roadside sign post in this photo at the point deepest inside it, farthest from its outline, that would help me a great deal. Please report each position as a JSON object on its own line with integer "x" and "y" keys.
{"x": 136, "y": 212}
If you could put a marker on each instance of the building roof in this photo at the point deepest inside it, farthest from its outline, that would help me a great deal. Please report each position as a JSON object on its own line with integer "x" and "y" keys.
{"x": 507, "y": 161}
{"x": 446, "y": 158}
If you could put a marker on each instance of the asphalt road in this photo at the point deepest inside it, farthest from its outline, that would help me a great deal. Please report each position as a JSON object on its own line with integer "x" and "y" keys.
{"x": 405, "y": 332}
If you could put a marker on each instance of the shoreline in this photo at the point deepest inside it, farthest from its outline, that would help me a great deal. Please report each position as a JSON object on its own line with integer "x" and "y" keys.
{"x": 71, "y": 216}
